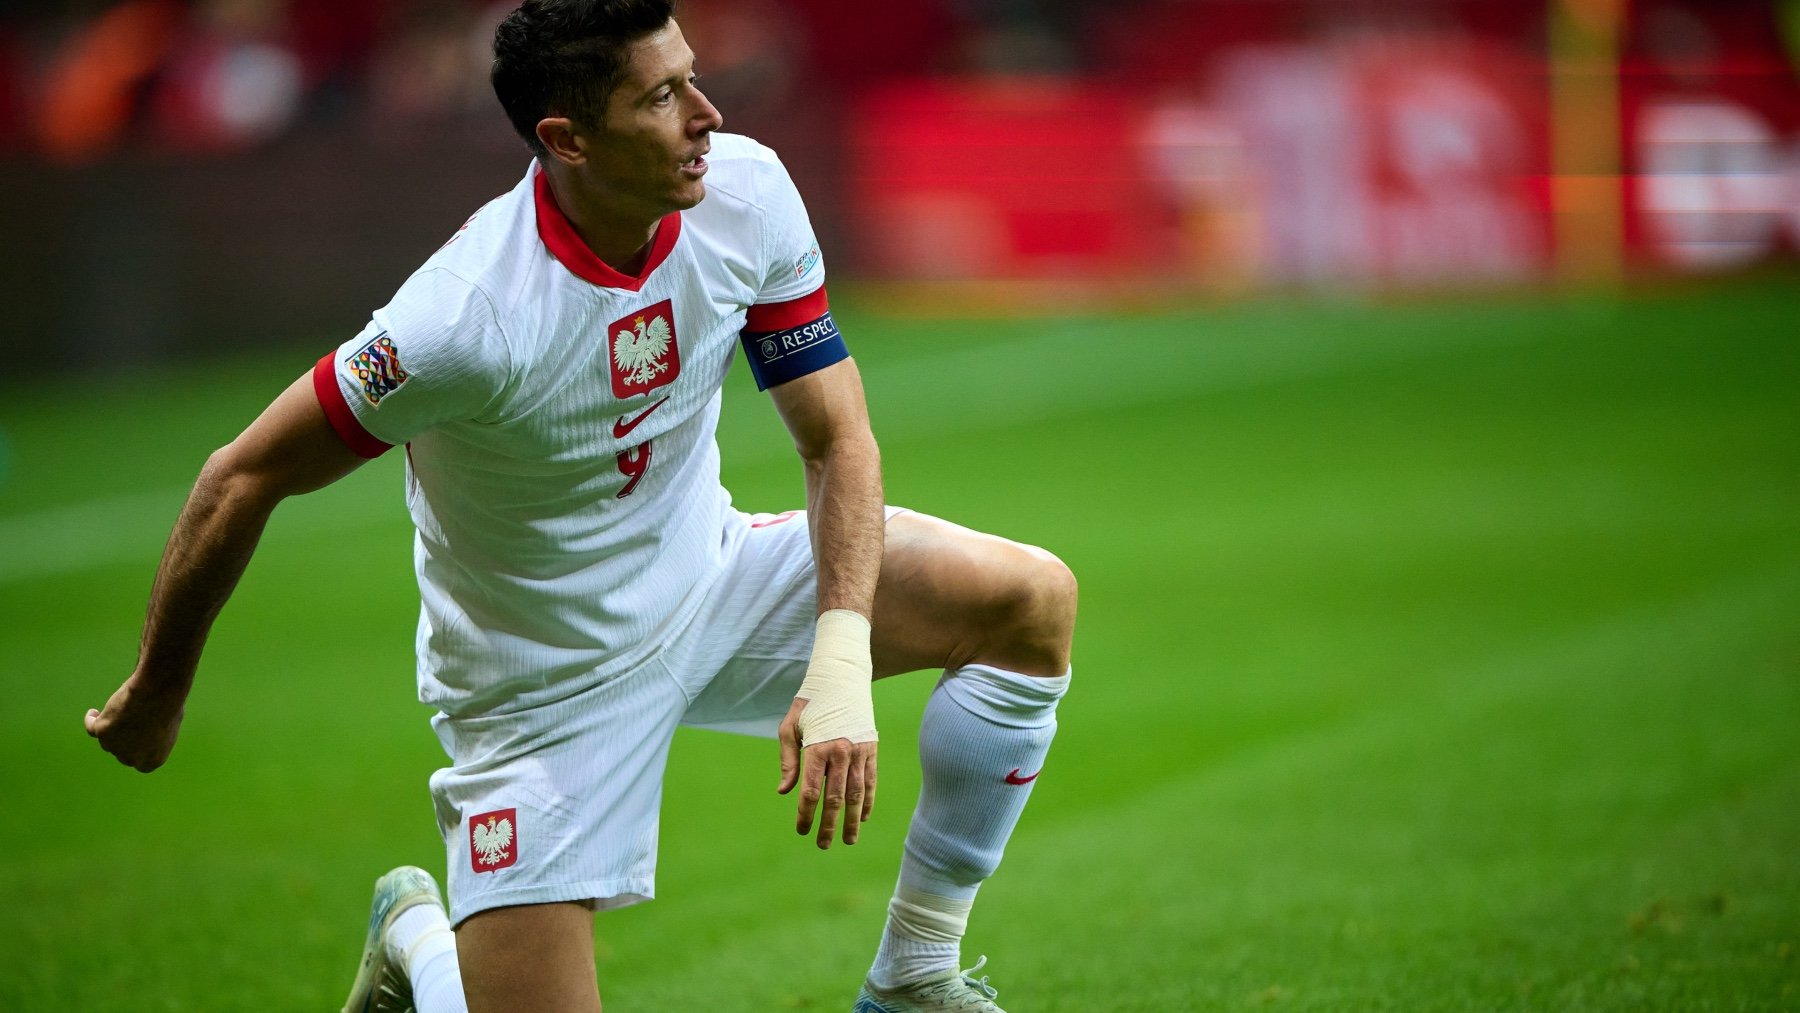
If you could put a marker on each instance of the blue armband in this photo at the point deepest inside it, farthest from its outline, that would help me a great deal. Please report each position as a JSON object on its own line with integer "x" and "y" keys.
{"x": 788, "y": 354}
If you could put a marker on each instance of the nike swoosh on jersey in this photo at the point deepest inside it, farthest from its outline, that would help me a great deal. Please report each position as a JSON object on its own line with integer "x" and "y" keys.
{"x": 622, "y": 426}
{"x": 1014, "y": 778}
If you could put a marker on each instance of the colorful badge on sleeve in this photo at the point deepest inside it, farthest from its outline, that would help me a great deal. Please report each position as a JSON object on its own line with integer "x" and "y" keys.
{"x": 377, "y": 367}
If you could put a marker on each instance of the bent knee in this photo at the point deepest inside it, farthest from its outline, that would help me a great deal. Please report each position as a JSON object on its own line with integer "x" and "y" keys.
{"x": 1035, "y": 614}
{"x": 1049, "y": 593}
{"x": 949, "y": 597}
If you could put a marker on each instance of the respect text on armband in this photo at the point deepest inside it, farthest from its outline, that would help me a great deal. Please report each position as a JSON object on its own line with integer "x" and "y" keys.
{"x": 779, "y": 356}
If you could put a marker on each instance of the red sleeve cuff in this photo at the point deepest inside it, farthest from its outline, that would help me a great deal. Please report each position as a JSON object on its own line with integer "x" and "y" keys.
{"x": 779, "y": 316}
{"x": 337, "y": 412}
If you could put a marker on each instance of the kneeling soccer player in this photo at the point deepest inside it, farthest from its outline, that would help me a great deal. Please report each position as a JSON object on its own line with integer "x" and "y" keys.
{"x": 555, "y": 372}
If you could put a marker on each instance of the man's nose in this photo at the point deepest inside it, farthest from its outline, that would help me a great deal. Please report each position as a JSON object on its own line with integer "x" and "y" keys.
{"x": 706, "y": 117}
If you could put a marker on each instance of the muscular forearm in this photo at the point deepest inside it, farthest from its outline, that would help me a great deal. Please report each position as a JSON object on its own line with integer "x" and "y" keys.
{"x": 828, "y": 739}
{"x": 206, "y": 554}
{"x": 844, "y": 505}
{"x": 289, "y": 449}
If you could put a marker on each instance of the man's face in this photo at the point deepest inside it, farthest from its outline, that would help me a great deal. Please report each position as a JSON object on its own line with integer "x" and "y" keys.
{"x": 648, "y": 156}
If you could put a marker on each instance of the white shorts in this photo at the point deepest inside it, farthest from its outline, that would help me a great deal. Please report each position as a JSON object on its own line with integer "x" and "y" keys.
{"x": 560, "y": 803}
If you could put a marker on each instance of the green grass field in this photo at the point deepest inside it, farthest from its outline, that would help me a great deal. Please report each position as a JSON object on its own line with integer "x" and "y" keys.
{"x": 1438, "y": 656}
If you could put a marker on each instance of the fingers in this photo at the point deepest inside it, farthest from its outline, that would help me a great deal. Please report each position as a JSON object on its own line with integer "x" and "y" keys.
{"x": 812, "y": 786}
{"x": 836, "y": 760}
{"x": 859, "y": 789}
{"x": 869, "y": 784}
{"x": 143, "y": 748}
{"x": 855, "y": 787}
{"x": 837, "y": 781}
{"x": 789, "y": 738}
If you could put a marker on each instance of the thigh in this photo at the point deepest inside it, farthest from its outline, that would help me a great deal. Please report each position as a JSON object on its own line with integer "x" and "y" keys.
{"x": 950, "y": 596}
{"x": 746, "y": 651}
{"x": 749, "y": 646}
{"x": 536, "y": 957}
{"x": 558, "y": 803}
{"x": 944, "y": 591}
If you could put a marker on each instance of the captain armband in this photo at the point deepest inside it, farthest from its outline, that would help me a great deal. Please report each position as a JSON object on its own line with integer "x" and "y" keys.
{"x": 789, "y": 353}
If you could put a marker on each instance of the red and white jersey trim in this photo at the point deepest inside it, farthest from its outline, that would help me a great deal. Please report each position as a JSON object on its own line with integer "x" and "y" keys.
{"x": 779, "y": 316}
{"x": 337, "y": 410}
{"x": 565, "y": 244}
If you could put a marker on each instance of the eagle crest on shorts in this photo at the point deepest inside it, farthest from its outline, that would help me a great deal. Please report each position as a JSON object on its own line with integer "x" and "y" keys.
{"x": 645, "y": 352}
{"x": 491, "y": 839}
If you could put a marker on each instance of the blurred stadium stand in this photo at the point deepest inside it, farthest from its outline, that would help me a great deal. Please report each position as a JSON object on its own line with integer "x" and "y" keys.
{"x": 188, "y": 178}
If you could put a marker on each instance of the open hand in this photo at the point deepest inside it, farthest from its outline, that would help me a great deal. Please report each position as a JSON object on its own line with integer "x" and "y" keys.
{"x": 838, "y": 772}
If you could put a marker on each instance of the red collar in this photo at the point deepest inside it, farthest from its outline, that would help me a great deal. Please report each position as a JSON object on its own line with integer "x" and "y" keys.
{"x": 565, "y": 244}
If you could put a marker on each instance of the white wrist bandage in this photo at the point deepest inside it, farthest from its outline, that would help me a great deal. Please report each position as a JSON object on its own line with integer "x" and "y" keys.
{"x": 837, "y": 682}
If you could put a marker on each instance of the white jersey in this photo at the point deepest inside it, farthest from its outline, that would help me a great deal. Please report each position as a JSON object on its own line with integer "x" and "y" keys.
{"x": 559, "y": 419}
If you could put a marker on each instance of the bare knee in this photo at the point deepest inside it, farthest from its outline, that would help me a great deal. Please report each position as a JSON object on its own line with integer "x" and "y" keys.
{"x": 1033, "y": 618}
{"x": 950, "y": 597}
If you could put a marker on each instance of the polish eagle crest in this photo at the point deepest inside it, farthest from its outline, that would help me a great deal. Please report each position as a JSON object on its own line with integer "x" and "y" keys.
{"x": 492, "y": 840}
{"x": 640, "y": 351}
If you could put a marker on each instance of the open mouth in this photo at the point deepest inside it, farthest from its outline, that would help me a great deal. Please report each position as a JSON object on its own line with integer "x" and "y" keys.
{"x": 694, "y": 166}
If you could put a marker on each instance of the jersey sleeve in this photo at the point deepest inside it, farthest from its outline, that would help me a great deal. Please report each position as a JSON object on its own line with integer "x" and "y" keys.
{"x": 788, "y": 331}
{"x": 433, "y": 355}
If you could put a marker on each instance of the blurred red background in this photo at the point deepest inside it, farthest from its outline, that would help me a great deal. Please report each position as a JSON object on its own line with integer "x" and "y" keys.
{"x": 186, "y": 175}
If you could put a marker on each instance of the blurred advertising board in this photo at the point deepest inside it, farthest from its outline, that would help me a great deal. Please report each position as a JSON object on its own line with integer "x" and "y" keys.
{"x": 1252, "y": 143}
{"x": 1711, "y": 132}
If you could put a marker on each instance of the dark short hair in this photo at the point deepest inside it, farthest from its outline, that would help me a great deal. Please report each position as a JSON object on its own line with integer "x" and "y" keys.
{"x": 564, "y": 57}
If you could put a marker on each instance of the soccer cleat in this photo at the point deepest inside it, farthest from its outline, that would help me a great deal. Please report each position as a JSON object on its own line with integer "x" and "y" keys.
{"x": 381, "y": 982}
{"x": 958, "y": 991}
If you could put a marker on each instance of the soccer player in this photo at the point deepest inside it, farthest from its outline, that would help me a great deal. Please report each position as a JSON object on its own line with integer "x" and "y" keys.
{"x": 554, "y": 372}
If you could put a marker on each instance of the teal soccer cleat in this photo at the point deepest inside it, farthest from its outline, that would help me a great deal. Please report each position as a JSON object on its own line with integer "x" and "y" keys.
{"x": 958, "y": 991}
{"x": 381, "y": 982}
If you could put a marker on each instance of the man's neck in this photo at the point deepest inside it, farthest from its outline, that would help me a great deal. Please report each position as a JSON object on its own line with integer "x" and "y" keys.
{"x": 622, "y": 242}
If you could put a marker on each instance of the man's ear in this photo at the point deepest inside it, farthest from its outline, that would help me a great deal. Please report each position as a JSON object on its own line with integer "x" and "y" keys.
{"x": 562, "y": 140}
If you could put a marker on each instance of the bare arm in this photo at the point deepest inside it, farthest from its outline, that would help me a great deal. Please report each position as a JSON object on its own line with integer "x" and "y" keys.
{"x": 829, "y": 421}
{"x": 289, "y": 449}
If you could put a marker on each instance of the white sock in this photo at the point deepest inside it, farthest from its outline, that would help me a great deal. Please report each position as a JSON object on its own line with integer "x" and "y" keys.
{"x": 923, "y": 936}
{"x": 981, "y": 746}
{"x": 420, "y": 941}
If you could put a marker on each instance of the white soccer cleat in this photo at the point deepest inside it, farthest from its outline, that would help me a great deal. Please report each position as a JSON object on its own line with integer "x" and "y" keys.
{"x": 958, "y": 991}
{"x": 382, "y": 985}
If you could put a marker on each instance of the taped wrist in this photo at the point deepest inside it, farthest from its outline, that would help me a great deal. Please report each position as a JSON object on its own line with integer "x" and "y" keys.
{"x": 839, "y": 704}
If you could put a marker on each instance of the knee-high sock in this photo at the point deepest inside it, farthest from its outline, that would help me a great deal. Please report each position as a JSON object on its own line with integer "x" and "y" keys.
{"x": 981, "y": 747}
{"x": 422, "y": 943}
